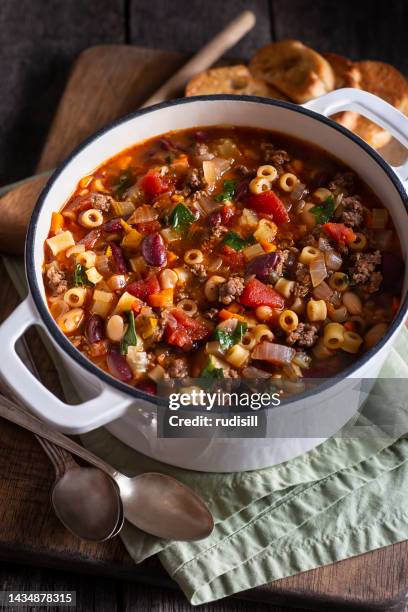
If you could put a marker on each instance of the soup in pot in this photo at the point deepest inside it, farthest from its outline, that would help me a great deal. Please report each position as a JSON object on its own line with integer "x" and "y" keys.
{"x": 222, "y": 252}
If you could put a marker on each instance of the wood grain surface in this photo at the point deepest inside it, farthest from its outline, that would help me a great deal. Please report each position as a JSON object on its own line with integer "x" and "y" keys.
{"x": 28, "y": 529}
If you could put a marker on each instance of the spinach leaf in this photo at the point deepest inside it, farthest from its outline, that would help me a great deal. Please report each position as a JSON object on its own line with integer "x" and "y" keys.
{"x": 228, "y": 191}
{"x": 130, "y": 338}
{"x": 181, "y": 218}
{"x": 123, "y": 182}
{"x": 324, "y": 212}
{"x": 237, "y": 242}
{"x": 211, "y": 372}
{"x": 228, "y": 339}
{"x": 80, "y": 277}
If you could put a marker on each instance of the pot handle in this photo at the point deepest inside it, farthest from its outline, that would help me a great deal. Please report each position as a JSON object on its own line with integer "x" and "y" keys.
{"x": 370, "y": 106}
{"x": 106, "y": 407}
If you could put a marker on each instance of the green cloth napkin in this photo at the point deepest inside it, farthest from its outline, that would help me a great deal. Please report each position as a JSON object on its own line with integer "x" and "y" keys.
{"x": 343, "y": 498}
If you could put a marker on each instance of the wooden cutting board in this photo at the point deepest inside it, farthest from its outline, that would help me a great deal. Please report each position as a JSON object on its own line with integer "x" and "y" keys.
{"x": 107, "y": 82}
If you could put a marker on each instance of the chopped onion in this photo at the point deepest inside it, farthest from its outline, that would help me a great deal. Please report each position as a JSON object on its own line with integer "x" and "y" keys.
{"x": 214, "y": 264}
{"x": 298, "y": 191}
{"x": 214, "y": 169}
{"x": 333, "y": 260}
{"x": 227, "y": 148}
{"x": 221, "y": 165}
{"x": 251, "y": 372}
{"x": 277, "y": 354}
{"x": 322, "y": 291}
{"x": 302, "y": 360}
{"x": 143, "y": 214}
{"x": 102, "y": 264}
{"x": 299, "y": 208}
{"x": 379, "y": 218}
{"x": 318, "y": 271}
{"x": 210, "y": 174}
{"x": 208, "y": 206}
{"x": 338, "y": 200}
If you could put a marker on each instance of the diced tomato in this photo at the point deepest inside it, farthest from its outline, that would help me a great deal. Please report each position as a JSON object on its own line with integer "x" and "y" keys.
{"x": 268, "y": 202}
{"x": 232, "y": 258}
{"x": 143, "y": 288}
{"x": 258, "y": 294}
{"x": 339, "y": 232}
{"x": 154, "y": 184}
{"x": 183, "y": 331}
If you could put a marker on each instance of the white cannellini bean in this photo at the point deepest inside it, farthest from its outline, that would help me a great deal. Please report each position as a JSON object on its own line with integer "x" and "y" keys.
{"x": 115, "y": 328}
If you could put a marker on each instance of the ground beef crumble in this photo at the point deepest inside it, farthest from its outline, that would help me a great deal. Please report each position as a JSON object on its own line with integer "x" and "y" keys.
{"x": 352, "y": 212}
{"x": 101, "y": 202}
{"x": 304, "y": 335}
{"x": 279, "y": 267}
{"x": 231, "y": 290}
{"x": 195, "y": 180}
{"x": 178, "y": 368}
{"x": 198, "y": 270}
{"x": 343, "y": 182}
{"x": 216, "y": 233}
{"x": 363, "y": 272}
{"x": 55, "y": 279}
{"x": 277, "y": 157}
{"x": 303, "y": 281}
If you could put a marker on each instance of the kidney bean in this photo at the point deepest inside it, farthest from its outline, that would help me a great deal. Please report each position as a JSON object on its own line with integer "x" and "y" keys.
{"x": 114, "y": 225}
{"x": 154, "y": 250}
{"x": 242, "y": 189}
{"x": 227, "y": 213}
{"x": 119, "y": 367}
{"x": 94, "y": 329}
{"x": 263, "y": 265}
{"x": 168, "y": 145}
{"x": 118, "y": 259}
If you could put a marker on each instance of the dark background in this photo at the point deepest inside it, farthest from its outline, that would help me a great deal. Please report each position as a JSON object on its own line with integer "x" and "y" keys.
{"x": 40, "y": 39}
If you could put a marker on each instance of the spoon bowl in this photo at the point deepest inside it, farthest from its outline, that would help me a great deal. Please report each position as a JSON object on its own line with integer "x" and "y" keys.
{"x": 87, "y": 502}
{"x": 170, "y": 509}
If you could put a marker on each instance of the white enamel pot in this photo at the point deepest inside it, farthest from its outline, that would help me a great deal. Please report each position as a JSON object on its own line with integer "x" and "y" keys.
{"x": 130, "y": 414}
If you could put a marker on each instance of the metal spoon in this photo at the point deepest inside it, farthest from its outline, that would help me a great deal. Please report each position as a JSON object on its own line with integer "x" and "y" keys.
{"x": 86, "y": 500}
{"x": 156, "y": 503}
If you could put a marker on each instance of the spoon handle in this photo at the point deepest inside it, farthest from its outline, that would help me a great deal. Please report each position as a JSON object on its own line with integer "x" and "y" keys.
{"x": 14, "y": 413}
{"x": 60, "y": 458}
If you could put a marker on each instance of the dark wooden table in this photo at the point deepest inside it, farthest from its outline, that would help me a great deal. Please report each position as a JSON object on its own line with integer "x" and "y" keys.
{"x": 38, "y": 43}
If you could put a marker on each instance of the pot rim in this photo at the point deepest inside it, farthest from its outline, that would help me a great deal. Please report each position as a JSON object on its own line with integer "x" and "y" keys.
{"x": 78, "y": 357}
